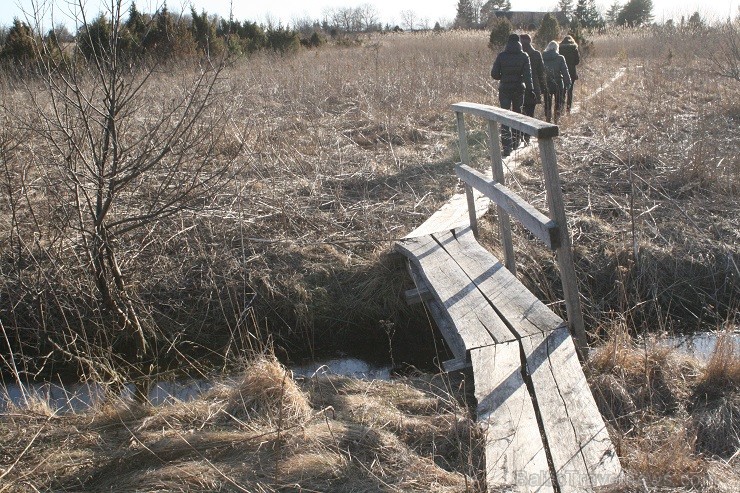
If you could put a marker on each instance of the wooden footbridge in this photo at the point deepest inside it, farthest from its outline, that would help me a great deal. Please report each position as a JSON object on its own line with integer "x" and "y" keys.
{"x": 543, "y": 428}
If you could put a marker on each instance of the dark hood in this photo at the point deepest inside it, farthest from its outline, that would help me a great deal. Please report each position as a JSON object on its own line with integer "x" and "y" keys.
{"x": 568, "y": 41}
{"x": 513, "y": 47}
{"x": 550, "y": 55}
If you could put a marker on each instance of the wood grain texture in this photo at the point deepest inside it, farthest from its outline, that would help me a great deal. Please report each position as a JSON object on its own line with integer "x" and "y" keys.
{"x": 453, "y": 214}
{"x": 515, "y": 456}
{"x": 497, "y": 172}
{"x": 566, "y": 265}
{"x": 536, "y": 222}
{"x": 523, "y": 312}
{"x": 582, "y": 453}
{"x": 474, "y": 320}
{"x": 529, "y": 125}
{"x": 441, "y": 318}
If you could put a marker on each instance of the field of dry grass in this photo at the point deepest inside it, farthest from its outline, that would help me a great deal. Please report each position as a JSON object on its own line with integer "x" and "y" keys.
{"x": 673, "y": 420}
{"x": 335, "y": 153}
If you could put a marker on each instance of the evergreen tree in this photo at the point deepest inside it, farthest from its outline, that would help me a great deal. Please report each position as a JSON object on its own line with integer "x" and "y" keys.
{"x": 566, "y": 7}
{"x": 488, "y": 11}
{"x": 613, "y": 13}
{"x": 136, "y": 27}
{"x": 19, "y": 45}
{"x": 465, "y": 17}
{"x": 549, "y": 30}
{"x": 283, "y": 39}
{"x": 160, "y": 39}
{"x": 500, "y": 29}
{"x": 95, "y": 40}
{"x": 636, "y": 13}
{"x": 203, "y": 31}
{"x": 135, "y": 22}
{"x": 695, "y": 21}
{"x": 587, "y": 14}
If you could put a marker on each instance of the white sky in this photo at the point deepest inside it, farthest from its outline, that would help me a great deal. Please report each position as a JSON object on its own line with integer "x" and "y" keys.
{"x": 389, "y": 10}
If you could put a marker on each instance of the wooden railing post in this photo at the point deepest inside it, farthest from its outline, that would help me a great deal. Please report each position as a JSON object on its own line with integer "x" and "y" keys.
{"x": 497, "y": 168}
{"x": 462, "y": 138}
{"x": 564, "y": 252}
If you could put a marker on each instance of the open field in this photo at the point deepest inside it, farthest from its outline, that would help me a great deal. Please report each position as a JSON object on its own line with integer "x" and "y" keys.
{"x": 329, "y": 156}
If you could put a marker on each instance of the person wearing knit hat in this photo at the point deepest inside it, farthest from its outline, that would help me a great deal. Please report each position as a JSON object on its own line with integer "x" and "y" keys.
{"x": 514, "y": 73}
{"x": 539, "y": 82}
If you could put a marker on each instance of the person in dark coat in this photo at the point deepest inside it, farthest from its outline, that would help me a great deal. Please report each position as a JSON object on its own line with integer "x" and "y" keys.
{"x": 558, "y": 79}
{"x": 569, "y": 51}
{"x": 538, "y": 77}
{"x": 514, "y": 73}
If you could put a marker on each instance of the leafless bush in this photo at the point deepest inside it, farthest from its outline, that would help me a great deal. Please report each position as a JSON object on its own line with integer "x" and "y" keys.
{"x": 114, "y": 152}
{"x": 725, "y": 56}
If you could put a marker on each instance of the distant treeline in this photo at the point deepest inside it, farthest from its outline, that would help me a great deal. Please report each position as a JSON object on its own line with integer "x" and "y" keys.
{"x": 167, "y": 35}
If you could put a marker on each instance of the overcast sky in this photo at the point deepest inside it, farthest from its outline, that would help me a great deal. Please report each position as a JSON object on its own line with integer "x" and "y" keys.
{"x": 288, "y": 10}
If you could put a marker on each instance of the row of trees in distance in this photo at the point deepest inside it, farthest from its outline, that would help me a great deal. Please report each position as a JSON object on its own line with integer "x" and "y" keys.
{"x": 165, "y": 34}
{"x": 633, "y": 13}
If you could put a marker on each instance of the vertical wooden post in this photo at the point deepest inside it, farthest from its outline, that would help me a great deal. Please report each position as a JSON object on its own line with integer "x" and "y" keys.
{"x": 564, "y": 252}
{"x": 462, "y": 138}
{"x": 497, "y": 168}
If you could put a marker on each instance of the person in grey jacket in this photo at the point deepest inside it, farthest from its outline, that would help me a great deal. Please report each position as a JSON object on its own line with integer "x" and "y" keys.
{"x": 514, "y": 73}
{"x": 558, "y": 79}
{"x": 538, "y": 77}
{"x": 569, "y": 51}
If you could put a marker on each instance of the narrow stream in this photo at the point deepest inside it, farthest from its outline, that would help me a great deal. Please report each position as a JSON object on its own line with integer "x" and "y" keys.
{"x": 77, "y": 397}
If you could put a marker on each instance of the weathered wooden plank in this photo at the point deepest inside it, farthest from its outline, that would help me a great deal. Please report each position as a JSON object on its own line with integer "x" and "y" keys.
{"x": 455, "y": 365}
{"x": 444, "y": 323}
{"x": 536, "y": 222}
{"x": 448, "y": 329}
{"x": 529, "y": 125}
{"x": 515, "y": 456}
{"x": 454, "y": 214}
{"x": 469, "y": 310}
{"x": 582, "y": 453}
{"x": 419, "y": 294}
{"x": 497, "y": 172}
{"x": 472, "y": 216}
{"x": 523, "y": 312}
{"x": 564, "y": 252}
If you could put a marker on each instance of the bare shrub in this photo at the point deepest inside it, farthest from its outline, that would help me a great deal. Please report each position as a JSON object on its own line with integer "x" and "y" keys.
{"x": 116, "y": 151}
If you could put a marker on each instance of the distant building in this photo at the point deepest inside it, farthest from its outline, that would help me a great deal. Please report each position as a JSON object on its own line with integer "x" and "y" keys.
{"x": 527, "y": 20}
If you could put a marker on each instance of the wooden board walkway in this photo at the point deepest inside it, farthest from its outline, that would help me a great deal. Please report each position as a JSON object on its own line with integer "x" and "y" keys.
{"x": 544, "y": 431}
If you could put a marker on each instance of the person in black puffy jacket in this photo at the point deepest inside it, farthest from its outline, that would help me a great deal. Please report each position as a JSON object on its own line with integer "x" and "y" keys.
{"x": 538, "y": 77}
{"x": 514, "y": 73}
{"x": 569, "y": 51}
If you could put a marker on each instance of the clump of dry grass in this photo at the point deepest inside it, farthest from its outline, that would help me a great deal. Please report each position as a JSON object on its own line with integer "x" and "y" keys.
{"x": 665, "y": 435}
{"x": 267, "y": 392}
{"x": 715, "y": 403}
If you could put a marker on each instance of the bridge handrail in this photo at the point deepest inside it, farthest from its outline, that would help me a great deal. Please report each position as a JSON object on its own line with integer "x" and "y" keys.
{"x": 558, "y": 225}
{"x": 517, "y": 121}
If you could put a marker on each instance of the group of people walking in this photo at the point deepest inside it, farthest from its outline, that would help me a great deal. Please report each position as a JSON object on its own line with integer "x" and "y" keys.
{"x": 527, "y": 77}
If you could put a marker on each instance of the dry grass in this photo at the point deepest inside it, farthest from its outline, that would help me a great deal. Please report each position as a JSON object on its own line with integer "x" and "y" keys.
{"x": 354, "y": 436}
{"x": 339, "y": 152}
{"x": 669, "y": 432}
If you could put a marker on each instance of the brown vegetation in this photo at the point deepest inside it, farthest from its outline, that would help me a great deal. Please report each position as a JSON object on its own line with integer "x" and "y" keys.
{"x": 337, "y": 153}
{"x": 264, "y": 433}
